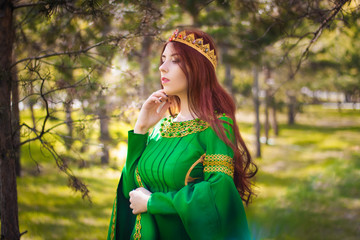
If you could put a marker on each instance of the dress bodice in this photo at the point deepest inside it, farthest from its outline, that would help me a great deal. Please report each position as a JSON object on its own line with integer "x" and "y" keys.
{"x": 171, "y": 150}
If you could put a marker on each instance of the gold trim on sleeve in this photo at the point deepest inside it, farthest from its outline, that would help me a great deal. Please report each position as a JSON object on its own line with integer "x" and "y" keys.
{"x": 219, "y": 163}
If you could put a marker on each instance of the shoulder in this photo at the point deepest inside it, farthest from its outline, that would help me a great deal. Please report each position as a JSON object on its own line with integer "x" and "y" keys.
{"x": 225, "y": 121}
{"x": 228, "y": 124}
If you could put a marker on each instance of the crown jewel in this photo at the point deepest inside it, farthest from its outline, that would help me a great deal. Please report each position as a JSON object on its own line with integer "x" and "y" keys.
{"x": 197, "y": 44}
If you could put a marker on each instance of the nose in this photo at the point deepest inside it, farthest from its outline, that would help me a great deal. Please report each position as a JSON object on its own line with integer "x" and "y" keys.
{"x": 163, "y": 67}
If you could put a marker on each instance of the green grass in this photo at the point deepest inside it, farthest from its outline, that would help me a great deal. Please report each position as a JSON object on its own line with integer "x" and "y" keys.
{"x": 308, "y": 184}
{"x": 48, "y": 209}
{"x": 309, "y": 180}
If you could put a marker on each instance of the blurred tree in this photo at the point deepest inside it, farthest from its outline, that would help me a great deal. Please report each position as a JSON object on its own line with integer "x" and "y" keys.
{"x": 335, "y": 68}
{"x": 313, "y": 18}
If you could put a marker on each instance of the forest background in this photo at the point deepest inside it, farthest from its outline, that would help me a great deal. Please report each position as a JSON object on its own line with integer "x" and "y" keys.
{"x": 74, "y": 74}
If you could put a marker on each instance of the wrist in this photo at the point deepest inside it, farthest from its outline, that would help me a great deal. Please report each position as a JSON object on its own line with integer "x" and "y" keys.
{"x": 140, "y": 129}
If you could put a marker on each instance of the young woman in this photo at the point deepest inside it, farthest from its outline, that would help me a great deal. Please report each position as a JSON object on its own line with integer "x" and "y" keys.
{"x": 189, "y": 177}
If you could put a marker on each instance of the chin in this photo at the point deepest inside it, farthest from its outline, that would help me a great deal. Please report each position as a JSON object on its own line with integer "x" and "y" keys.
{"x": 169, "y": 91}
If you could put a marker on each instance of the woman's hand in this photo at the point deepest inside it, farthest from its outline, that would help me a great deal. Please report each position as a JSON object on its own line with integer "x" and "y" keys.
{"x": 152, "y": 111}
{"x": 139, "y": 199}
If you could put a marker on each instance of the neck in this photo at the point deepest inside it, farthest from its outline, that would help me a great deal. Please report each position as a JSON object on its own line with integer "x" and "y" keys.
{"x": 184, "y": 113}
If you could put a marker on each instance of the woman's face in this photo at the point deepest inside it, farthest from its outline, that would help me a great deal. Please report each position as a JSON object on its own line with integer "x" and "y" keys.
{"x": 173, "y": 78}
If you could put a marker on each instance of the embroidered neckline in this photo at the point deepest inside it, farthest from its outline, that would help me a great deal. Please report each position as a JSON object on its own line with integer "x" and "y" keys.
{"x": 171, "y": 129}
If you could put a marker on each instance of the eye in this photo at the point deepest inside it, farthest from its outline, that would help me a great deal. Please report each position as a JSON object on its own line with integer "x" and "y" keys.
{"x": 176, "y": 60}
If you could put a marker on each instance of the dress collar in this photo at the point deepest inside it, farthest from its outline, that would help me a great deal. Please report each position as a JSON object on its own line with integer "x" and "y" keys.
{"x": 171, "y": 129}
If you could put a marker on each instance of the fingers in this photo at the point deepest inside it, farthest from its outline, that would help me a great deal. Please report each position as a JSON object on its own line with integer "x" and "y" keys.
{"x": 161, "y": 95}
{"x": 138, "y": 200}
{"x": 132, "y": 200}
{"x": 144, "y": 190}
{"x": 158, "y": 97}
{"x": 161, "y": 92}
{"x": 132, "y": 206}
{"x": 158, "y": 100}
{"x": 155, "y": 99}
{"x": 163, "y": 108}
{"x": 134, "y": 211}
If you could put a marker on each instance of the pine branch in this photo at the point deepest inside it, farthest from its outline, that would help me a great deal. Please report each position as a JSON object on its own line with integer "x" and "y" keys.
{"x": 70, "y": 53}
{"x": 29, "y": 5}
{"x": 75, "y": 85}
{"x": 315, "y": 37}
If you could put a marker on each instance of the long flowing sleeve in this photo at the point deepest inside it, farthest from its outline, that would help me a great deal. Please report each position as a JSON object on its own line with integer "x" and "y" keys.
{"x": 212, "y": 208}
{"x": 136, "y": 146}
{"x": 122, "y": 220}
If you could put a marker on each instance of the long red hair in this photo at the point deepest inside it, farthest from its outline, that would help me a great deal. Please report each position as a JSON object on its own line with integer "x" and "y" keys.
{"x": 207, "y": 98}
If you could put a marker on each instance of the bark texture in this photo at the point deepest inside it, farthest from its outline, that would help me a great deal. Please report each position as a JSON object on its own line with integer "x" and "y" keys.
{"x": 15, "y": 119}
{"x": 9, "y": 207}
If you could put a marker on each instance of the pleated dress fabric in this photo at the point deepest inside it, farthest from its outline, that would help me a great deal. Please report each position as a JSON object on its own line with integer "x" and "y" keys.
{"x": 205, "y": 206}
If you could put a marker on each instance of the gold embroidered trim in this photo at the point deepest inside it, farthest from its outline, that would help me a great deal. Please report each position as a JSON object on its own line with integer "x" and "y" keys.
{"x": 113, "y": 220}
{"x": 137, "y": 234}
{"x": 219, "y": 163}
{"x": 138, "y": 179}
{"x": 170, "y": 129}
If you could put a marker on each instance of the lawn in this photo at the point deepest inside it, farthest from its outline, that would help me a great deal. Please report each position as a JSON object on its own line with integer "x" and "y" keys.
{"x": 309, "y": 181}
{"x": 308, "y": 184}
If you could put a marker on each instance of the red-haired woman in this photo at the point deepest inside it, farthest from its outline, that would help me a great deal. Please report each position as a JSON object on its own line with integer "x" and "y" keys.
{"x": 189, "y": 177}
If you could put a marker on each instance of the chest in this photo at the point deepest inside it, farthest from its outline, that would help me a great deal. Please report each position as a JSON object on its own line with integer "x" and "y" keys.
{"x": 165, "y": 162}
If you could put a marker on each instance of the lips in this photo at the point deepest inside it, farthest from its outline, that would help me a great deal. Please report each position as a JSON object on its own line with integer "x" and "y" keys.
{"x": 164, "y": 80}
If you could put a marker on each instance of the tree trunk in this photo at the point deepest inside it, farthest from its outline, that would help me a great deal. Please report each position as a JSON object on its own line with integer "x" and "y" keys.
{"x": 291, "y": 107}
{"x": 270, "y": 104}
{"x": 274, "y": 118}
{"x": 69, "y": 124}
{"x": 229, "y": 83}
{"x": 9, "y": 207}
{"x": 257, "y": 114}
{"x": 339, "y": 106}
{"x": 104, "y": 130}
{"x": 31, "y": 105}
{"x": 347, "y": 97}
{"x": 104, "y": 138}
{"x": 15, "y": 120}
{"x": 267, "y": 124}
{"x": 229, "y": 79}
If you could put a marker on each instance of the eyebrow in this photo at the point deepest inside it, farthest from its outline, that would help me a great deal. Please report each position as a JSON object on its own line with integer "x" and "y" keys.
{"x": 174, "y": 54}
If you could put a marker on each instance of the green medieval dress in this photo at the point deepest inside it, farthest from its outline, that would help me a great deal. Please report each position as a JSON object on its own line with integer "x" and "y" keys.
{"x": 207, "y": 207}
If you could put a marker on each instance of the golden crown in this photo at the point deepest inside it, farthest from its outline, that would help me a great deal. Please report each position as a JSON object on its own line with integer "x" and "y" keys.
{"x": 197, "y": 44}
